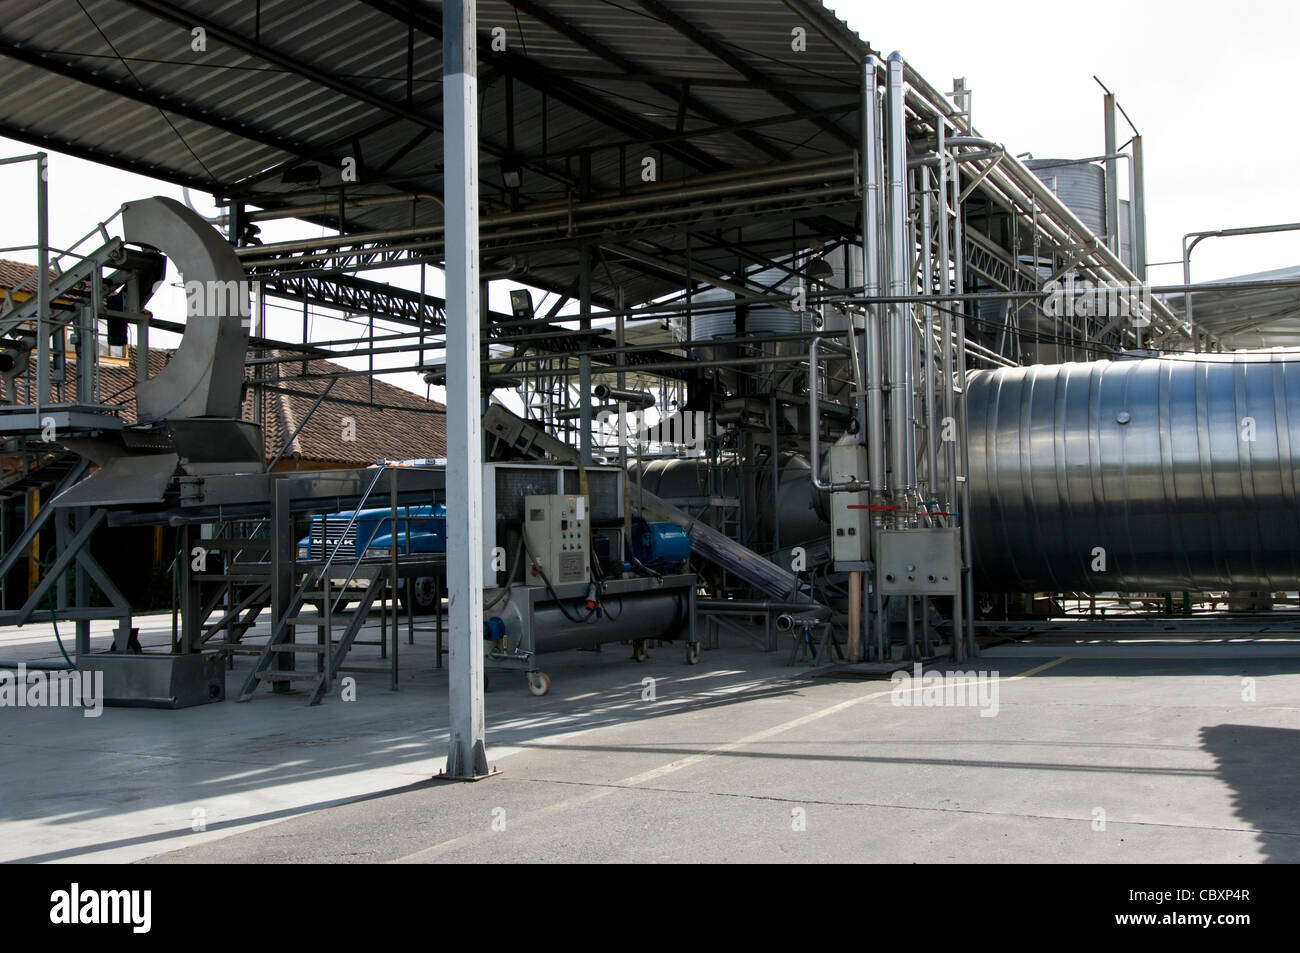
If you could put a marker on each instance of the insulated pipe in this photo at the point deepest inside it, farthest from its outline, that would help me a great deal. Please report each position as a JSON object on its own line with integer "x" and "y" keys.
{"x": 949, "y": 485}
{"x": 759, "y": 605}
{"x": 947, "y": 343}
{"x": 971, "y": 647}
{"x": 872, "y": 246}
{"x": 901, "y": 382}
{"x": 927, "y": 279}
{"x": 787, "y": 621}
{"x": 1016, "y": 185}
{"x": 933, "y": 159}
{"x": 619, "y": 395}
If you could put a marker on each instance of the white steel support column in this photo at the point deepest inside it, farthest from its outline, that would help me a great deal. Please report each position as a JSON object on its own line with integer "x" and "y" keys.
{"x": 467, "y": 757}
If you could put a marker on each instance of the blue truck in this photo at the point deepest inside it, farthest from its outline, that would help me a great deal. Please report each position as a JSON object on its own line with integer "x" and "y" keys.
{"x": 416, "y": 529}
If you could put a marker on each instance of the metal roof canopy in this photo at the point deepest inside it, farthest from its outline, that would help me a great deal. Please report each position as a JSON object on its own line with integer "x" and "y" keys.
{"x": 575, "y": 95}
{"x": 1259, "y": 317}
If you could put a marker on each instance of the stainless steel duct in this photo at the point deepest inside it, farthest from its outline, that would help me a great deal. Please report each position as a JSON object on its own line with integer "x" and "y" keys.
{"x": 1147, "y": 475}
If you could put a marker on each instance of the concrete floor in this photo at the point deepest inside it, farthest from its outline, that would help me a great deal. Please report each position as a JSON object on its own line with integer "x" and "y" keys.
{"x": 1100, "y": 752}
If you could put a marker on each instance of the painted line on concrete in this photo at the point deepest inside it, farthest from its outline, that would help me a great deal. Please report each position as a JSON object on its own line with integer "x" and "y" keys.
{"x": 674, "y": 766}
{"x": 1037, "y": 669}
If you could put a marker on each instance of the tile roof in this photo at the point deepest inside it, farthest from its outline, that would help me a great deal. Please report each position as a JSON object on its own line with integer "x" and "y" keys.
{"x": 13, "y": 273}
{"x": 347, "y": 429}
{"x": 350, "y": 428}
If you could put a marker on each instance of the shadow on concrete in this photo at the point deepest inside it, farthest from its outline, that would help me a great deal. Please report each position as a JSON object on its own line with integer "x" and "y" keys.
{"x": 788, "y": 755}
{"x": 91, "y": 772}
{"x": 160, "y": 838}
{"x": 1262, "y": 767}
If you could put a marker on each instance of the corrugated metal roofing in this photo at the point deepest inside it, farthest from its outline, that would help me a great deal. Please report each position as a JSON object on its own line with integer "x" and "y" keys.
{"x": 1249, "y": 318}
{"x": 287, "y": 82}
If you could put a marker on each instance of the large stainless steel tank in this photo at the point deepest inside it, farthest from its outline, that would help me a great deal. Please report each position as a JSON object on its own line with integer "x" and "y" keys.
{"x": 802, "y": 514}
{"x": 1080, "y": 186}
{"x": 1180, "y": 473}
{"x": 718, "y": 319}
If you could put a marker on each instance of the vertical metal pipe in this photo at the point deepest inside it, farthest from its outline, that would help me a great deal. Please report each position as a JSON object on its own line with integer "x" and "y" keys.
{"x": 1187, "y": 295}
{"x": 776, "y": 472}
{"x": 911, "y": 628}
{"x": 394, "y": 579}
{"x": 584, "y": 362}
{"x": 467, "y": 754}
{"x": 948, "y": 496}
{"x": 962, "y": 421}
{"x": 855, "y": 616}
{"x": 42, "y": 282}
{"x": 857, "y": 322}
{"x": 620, "y": 333}
{"x": 83, "y": 587}
{"x": 1139, "y": 197}
{"x": 927, "y": 279}
{"x": 872, "y": 247}
{"x": 901, "y": 384}
{"x": 1112, "y": 177}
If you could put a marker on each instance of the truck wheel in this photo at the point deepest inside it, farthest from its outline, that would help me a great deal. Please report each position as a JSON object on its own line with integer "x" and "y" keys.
{"x": 423, "y": 595}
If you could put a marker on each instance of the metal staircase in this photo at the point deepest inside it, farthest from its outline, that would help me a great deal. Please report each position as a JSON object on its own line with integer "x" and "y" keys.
{"x": 318, "y": 603}
{"x": 239, "y": 589}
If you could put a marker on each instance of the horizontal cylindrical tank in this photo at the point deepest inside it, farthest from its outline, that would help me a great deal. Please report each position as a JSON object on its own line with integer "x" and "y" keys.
{"x": 657, "y": 614}
{"x": 1155, "y": 474}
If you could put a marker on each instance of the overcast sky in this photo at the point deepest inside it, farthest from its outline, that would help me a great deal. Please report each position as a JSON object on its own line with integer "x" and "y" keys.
{"x": 1209, "y": 85}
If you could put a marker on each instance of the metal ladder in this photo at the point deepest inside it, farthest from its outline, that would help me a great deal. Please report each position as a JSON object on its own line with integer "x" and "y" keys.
{"x": 317, "y": 589}
{"x": 243, "y": 588}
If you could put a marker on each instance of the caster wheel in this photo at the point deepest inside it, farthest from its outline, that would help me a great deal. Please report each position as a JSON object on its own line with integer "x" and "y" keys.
{"x": 692, "y": 653}
{"x": 539, "y": 683}
{"x": 639, "y": 653}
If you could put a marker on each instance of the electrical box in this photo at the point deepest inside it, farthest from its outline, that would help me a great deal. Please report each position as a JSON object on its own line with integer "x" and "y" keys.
{"x": 919, "y": 562}
{"x": 850, "y": 518}
{"x": 557, "y": 533}
{"x": 507, "y": 485}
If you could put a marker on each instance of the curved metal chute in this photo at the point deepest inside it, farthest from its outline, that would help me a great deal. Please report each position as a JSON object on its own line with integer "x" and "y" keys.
{"x": 205, "y": 375}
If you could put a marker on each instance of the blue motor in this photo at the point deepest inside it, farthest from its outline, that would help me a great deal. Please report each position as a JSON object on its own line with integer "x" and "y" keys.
{"x": 660, "y": 546}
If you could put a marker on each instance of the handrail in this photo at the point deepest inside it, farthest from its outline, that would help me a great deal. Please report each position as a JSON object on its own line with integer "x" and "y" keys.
{"x": 379, "y": 471}
{"x": 814, "y": 425}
